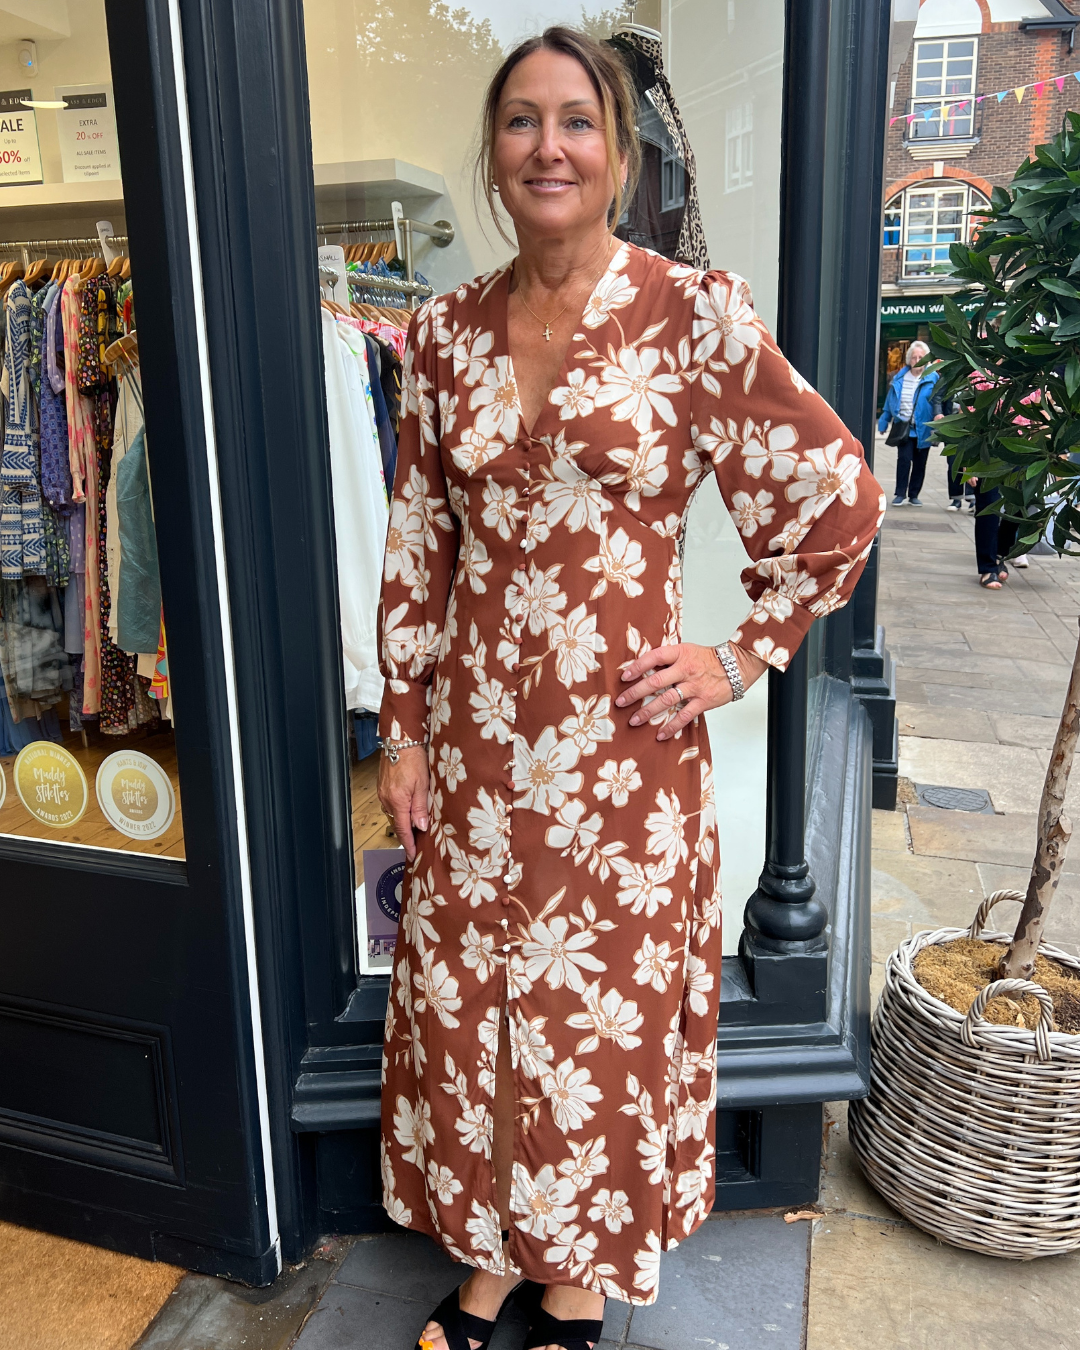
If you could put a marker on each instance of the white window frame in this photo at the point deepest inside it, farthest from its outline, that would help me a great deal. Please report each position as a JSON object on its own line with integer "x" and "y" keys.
{"x": 739, "y": 146}
{"x": 961, "y": 124}
{"x": 894, "y": 206}
{"x": 973, "y": 200}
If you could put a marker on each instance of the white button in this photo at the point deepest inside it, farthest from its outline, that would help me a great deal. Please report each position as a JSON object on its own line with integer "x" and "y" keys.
{"x": 507, "y": 947}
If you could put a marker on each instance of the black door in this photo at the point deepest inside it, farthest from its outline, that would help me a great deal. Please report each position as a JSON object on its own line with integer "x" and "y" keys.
{"x": 133, "y": 1105}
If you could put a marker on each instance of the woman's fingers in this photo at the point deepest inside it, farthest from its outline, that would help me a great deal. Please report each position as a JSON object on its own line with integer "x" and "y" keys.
{"x": 694, "y": 708}
{"x": 668, "y": 699}
{"x": 664, "y": 665}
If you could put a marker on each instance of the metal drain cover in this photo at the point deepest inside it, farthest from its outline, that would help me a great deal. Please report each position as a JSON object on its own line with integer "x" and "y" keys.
{"x": 955, "y": 799}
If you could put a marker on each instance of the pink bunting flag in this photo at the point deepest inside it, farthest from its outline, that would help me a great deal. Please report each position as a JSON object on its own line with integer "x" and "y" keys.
{"x": 1039, "y": 88}
{"x": 912, "y": 116}
{"x": 980, "y": 98}
{"x": 1060, "y": 82}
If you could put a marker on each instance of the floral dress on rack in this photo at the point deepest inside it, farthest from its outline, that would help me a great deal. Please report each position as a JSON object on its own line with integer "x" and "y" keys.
{"x": 570, "y": 875}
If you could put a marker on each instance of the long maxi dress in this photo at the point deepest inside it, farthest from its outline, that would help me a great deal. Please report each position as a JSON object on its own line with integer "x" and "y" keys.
{"x": 570, "y": 873}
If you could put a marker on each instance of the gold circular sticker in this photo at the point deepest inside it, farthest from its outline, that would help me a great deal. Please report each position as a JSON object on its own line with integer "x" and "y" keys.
{"x": 51, "y": 784}
{"x": 135, "y": 795}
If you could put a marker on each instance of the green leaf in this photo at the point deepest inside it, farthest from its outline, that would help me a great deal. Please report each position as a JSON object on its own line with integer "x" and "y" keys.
{"x": 1059, "y": 287}
{"x": 1072, "y": 374}
{"x": 1069, "y": 329}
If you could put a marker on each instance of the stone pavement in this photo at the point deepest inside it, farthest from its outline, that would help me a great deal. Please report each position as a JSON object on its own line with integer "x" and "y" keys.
{"x": 980, "y": 684}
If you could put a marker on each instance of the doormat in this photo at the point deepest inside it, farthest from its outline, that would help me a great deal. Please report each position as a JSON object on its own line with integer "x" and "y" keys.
{"x": 955, "y": 799}
{"x": 56, "y": 1294}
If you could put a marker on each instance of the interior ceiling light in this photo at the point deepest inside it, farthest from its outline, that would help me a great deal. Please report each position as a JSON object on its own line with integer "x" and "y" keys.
{"x": 43, "y": 103}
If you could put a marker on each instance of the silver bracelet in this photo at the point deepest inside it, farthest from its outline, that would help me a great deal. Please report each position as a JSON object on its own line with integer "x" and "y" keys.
{"x": 727, "y": 659}
{"x": 391, "y": 748}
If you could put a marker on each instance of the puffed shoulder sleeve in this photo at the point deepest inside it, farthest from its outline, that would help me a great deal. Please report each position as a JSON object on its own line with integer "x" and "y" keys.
{"x": 421, "y": 546}
{"x": 791, "y": 474}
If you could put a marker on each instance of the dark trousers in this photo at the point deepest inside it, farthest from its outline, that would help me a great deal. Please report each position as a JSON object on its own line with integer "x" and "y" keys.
{"x": 957, "y": 487}
{"x": 910, "y": 467}
{"x": 994, "y": 537}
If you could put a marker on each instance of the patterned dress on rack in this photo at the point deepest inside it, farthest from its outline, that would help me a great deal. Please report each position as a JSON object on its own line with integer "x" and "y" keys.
{"x": 22, "y": 528}
{"x": 567, "y": 891}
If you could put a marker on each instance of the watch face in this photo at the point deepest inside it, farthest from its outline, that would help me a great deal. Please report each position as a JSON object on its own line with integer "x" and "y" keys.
{"x": 388, "y": 891}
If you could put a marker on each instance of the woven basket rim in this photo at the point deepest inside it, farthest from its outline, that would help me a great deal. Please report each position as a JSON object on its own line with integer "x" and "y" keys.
{"x": 899, "y": 969}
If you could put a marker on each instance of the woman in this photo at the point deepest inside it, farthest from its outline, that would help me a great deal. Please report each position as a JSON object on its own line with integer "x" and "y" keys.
{"x": 550, "y": 1055}
{"x": 909, "y": 406}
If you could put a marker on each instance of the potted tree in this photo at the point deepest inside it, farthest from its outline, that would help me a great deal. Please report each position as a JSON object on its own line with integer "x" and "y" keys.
{"x": 972, "y": 1125}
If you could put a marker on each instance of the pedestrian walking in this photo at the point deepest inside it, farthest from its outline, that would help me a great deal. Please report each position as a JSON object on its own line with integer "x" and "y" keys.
{"x": 994, "y": 538}
{"x": 958, "y": 489}
{"x": 909, "y": 408}
{"x": 549, "y": 1062}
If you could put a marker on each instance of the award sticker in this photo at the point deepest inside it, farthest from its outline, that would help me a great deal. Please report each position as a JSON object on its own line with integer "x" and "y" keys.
{"x": 51, "y": 784}
{"x": 135, "y": 795}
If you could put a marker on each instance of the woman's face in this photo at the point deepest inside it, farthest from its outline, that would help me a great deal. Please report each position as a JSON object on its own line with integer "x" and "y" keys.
{"x": 551, "y": 163}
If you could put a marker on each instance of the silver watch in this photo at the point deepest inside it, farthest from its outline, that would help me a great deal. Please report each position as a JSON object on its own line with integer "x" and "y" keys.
{"x": 727, "y": 659}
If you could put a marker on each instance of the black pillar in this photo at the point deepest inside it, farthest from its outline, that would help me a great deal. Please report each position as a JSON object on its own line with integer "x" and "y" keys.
{"x": 783, "y": 945}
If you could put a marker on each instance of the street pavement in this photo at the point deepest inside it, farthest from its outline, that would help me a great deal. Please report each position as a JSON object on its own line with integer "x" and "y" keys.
{"x": 980, "y": 681}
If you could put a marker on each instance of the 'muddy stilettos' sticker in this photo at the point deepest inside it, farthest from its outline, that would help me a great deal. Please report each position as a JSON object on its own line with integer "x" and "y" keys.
{"x": 135, "y": 795}
{"x": 51, "y": 784}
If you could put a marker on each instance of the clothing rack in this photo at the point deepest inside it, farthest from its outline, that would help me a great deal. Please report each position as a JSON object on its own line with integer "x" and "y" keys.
{"x": 28, "y": 246}
{"x": 441, "y": 233}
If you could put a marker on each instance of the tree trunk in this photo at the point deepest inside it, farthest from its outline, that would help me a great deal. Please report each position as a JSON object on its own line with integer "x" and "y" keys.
{"x": 1055, "y": 830}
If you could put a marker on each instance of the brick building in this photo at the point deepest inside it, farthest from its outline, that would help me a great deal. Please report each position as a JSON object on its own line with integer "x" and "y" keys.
{"x": 963, "y": 141}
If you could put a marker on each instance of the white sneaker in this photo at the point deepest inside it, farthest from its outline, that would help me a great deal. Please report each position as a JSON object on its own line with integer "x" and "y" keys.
{"x": 955, "y": 505}
{"x": 1021, "y": 560}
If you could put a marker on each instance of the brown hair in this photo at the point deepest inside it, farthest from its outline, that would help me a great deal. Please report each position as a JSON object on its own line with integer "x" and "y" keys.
{"x": 610, "y": 79}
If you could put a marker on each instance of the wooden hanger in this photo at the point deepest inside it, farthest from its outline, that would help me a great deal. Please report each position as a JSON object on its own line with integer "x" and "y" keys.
{"x": 35, "y": 272}
{"x": 115, "y": 267}
{"x": 123, "y": 351}
{"x": 125, "y": 271}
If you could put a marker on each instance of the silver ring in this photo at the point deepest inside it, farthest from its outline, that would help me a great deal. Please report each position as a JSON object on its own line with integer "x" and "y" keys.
{"x": 679, "y": 692}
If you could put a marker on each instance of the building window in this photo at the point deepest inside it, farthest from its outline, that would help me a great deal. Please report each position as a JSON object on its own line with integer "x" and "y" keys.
{"x": 944, "y": 72}
{"x": 672, "y": 183}
{"x": 893, "y": 214}
{"x": 739, "y": 162}
{"x": 934, "y": 217}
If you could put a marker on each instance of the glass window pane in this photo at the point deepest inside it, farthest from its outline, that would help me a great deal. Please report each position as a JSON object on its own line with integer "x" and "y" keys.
{"x": 375, "y": 144}
{"x": 962, "y": 48}
{"x": 87, "y": 751}
{"x": 930, "y": 51}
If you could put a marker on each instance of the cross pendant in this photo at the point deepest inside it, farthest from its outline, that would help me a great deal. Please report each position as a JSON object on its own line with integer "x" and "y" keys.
{"x": 547, "y": 332}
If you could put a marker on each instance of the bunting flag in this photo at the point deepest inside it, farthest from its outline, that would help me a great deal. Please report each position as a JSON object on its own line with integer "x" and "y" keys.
{"x": 947, "y": 110}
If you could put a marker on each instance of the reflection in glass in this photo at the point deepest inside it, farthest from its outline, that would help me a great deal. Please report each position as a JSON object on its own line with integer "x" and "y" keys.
{"x": 83, "y": 658}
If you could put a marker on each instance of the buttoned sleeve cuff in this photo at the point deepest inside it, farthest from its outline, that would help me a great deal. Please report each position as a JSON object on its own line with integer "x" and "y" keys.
{"x": 404, "y": 712}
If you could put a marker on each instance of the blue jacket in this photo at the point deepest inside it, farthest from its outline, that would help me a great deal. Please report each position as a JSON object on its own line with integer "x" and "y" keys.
{"x": 923, "y": 411}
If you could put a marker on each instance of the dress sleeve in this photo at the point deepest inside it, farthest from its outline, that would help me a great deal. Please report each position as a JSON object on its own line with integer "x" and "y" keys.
{"x": 791, "y": 474}
{"x": 421, "y": 547}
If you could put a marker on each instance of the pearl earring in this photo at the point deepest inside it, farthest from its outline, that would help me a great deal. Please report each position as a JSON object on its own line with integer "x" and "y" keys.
{"x": 494, "y": 186}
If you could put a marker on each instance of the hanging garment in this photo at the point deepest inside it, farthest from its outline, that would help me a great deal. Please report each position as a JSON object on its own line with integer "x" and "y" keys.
{"x": 32, "y": 656}
{"x": 83, "y": 455}
{"x": 139, "y": 602}
{"x": 360, "y": 510}
{"x": 22, "y": 529}
{"x": 663, "y": 134}
{"x": 128, "y": 422}
{"x": 75, "y": 594}
{"x": 383, "y": 424}
{"x": 15, "y": 736}
{"x": 56, "y": 485}
{"x": 570, "y": 872}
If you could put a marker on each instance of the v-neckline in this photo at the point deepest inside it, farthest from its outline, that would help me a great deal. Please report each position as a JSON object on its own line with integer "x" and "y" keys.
{"x": 503, "y": 335}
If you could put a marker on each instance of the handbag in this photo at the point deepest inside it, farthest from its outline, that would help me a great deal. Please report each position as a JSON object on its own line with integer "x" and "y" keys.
{"x": 899, "y": 431}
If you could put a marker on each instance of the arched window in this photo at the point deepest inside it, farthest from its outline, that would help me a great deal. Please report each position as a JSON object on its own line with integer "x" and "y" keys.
{"x": 925, "y": 219}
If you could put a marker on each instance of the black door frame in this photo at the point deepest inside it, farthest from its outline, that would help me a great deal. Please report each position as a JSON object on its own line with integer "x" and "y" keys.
{"x": 91, "y": 935}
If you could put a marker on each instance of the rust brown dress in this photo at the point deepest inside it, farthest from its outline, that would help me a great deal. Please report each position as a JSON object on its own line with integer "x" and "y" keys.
{"x": 570, "y": 873}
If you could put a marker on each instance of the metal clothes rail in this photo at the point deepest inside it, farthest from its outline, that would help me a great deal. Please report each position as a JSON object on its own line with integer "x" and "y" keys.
{"x": 441, "y": 233}
{"x": 28, "y": 246}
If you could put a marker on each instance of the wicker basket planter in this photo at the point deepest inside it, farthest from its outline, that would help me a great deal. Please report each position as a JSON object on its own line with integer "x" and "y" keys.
{"x": 972, "y": 1130}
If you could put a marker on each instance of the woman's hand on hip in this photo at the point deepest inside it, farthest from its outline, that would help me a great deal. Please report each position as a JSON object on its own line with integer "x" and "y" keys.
{"x": 403, "y": 793}
{"x": 686, "y": 674}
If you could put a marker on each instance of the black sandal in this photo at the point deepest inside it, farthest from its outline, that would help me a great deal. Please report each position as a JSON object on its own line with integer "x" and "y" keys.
{"x": 460, "y": 1327}
{"x": 547, "y": 1330}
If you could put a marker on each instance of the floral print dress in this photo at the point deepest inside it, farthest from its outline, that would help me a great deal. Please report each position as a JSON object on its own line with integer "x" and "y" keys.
{"x": 567, "y": 891}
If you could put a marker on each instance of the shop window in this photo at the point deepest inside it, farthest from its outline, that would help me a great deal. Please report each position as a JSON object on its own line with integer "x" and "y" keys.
{"x": 935, "y": 217}
{"x": 892, "y": 218}
{"x": 87, "y": 751}
{"x": 739, "y": 138}
{"x": 943, "y": 73}
{"x": 398, "y": 222}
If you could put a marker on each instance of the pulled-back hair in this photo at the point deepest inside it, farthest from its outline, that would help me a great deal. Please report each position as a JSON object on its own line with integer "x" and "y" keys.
{"x": 613, "y": 87}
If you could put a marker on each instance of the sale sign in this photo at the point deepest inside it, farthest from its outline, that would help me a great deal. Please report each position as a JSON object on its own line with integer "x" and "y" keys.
{"x": 20, "y": 156}
{"x": 86, "y": 126}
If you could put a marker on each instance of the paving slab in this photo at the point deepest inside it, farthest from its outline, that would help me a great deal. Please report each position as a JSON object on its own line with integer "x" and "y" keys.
{"x": 1012, "y": 774}
{"x": 736, "y": 1284}
{"x": 889, "y": 831}
{"x": 959, "y": 724}
{"x": 891, "y": 1285}
{"x": 1027, "y": 648}
{"x": 406, "y": 1264}
{"x": 1006, "y": 698}
{"x": 1005, "y": 839}
{"x": 1023, "y": 729}
{"x": 921, "y": 892}
{"x": 844, "y": 1189}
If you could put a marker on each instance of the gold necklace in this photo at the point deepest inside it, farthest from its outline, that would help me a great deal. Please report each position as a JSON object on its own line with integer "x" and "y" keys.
{"x": 555, "y": 318}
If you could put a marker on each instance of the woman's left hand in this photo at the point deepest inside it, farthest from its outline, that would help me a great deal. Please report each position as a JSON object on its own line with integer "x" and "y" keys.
{"x": 686, "y": 674}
